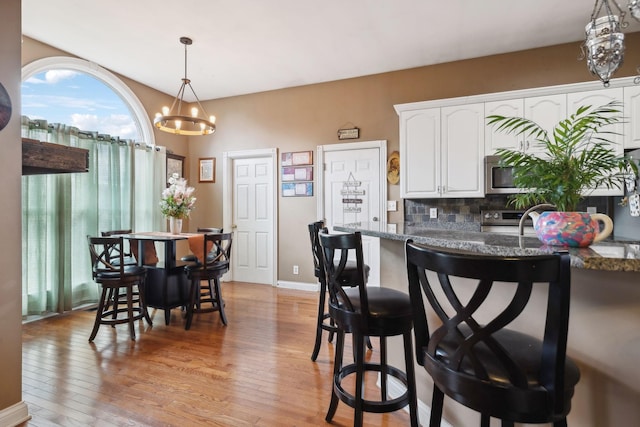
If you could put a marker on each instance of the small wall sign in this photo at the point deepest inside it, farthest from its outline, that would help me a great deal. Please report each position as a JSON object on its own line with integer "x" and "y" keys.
{"x": 353, "y": 133}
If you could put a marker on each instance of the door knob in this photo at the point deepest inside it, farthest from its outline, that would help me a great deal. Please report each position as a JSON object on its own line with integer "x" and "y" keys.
{"x": 375, "y": 218}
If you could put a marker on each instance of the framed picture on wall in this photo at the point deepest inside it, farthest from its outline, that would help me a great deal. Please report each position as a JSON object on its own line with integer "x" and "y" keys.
{"x": 296, "y": 158}
{"x": 304, "y": 173}
{"x": 175, "y": 164}
{"x": 207, "y": 168}
{"x": 297, "y": 189}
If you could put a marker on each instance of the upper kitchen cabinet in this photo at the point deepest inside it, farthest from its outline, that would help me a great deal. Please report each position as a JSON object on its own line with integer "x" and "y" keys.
{"x": 631, "y": 125}
{"x": 441, "y": 152}
{"x": 596, "y": 98}
{"x": 495, "y": 139}
{"x": 419, "y": 149}
{"x": 462, "y": 149}
{"x": 545, "y": 110}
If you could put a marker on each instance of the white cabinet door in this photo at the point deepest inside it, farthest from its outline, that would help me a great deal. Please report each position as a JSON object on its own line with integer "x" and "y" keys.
{"x": 546, "y": 111}
{"x": 420, "y": 153}
{"x": 462, "y": 151}
{"x": 632, "y": 117}
{"x": 495, "y": 139}
{"x": 597, "y": 98}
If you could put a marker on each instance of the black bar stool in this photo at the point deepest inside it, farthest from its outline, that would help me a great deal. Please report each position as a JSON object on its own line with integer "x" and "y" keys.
{"x": 324, "y": 321}
{"x": 214, "y": 262}
{"x": 485, "y": 366}
{"x": 366, "y": 311}
{"x": 114, "y": 275}
{"x": 192, "y": 257}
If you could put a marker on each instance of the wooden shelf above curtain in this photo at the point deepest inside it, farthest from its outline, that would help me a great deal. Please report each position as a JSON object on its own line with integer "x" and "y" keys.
{"x": 44, "y": 157}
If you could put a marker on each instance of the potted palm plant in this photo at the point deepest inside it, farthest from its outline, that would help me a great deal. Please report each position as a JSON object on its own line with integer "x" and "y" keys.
{"x": 575, "y": 159}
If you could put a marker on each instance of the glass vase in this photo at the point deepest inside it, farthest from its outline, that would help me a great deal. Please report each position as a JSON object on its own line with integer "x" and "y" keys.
{"x": 175, "y": 225}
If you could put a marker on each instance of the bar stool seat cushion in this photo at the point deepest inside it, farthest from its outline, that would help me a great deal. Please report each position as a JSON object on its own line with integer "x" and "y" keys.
{"x": 479, "y": 395}
{"x": 389, "y": 310}
{"x": 129, "y": 270}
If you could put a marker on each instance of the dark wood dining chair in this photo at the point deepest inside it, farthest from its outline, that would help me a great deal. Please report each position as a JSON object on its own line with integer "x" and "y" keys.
{"x": 210, "y": 270}
{"x": 484, "y": 365}
{"x": 365, "y": 311}
{"x": 324, "y": 321}
{"x": 122, "y": 297}
{"x": 192, "y": 257}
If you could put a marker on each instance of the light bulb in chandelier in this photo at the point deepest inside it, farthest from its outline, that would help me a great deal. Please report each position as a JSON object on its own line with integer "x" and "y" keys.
{"x": 174, "y": 121}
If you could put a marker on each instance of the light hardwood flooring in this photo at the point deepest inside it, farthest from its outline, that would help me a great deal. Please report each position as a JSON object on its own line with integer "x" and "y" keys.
{"x": 256, "y": 371}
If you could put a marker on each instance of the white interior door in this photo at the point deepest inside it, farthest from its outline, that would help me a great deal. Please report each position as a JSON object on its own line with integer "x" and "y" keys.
{"x": 354, "y": 190}
{"x": 251, "y": 199}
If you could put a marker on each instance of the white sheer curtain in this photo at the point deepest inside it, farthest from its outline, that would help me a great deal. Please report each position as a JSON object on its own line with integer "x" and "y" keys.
{"x": 60, "y": 210}
{"x": 150, "y": 165}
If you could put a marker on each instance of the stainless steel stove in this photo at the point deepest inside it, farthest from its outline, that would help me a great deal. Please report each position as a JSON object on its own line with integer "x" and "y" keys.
{"x": 505, "y": 221}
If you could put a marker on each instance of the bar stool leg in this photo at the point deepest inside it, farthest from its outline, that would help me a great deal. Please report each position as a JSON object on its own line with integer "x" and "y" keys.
{"x": 411, "y": 379}
{"x": 132, "y": 329}
{"x": 218, "y": 297}
{"x": 436, "y": 407}
{"x": 321, "y": 317}
{"x": 193, "y": 297}
{"x": 359, "y": 395}
{"x": 99, "y": 311}
{"x": 337, "y": 366}
{"x": 143, "y": 302}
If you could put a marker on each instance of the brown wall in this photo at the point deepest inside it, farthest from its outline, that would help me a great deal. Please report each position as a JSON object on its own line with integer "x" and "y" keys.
{"x": 304, "y": 117}
{"x": 291, "y": 120}
{"x": 10, "y": 193}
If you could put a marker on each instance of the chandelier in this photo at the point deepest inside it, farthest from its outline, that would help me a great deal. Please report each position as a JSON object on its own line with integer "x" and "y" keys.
{"x": 173, "y": 121}
{"x": 604, "y": 43}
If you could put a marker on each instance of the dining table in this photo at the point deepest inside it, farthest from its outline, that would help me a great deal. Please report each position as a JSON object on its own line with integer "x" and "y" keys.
{"x": 167, "y": 286}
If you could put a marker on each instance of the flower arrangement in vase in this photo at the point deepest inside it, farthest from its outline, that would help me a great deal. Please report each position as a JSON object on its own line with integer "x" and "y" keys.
{"x": 177, "y": 202}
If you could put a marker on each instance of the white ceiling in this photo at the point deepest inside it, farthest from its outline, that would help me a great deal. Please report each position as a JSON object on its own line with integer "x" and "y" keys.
{"x": 247, "y": 46}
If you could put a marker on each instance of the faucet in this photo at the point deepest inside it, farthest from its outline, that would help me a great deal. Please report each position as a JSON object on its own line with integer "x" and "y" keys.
{"x": 526, "y": 214}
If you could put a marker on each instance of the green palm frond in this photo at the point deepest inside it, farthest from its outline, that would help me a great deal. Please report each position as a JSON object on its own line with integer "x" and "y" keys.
{"x": 579, "y": 156}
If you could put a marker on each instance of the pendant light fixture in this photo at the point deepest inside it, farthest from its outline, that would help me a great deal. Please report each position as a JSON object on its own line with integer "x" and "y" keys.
{"x": 604, "y": 43}
{"x": 173, "y": 121}
{"x": 634, "y": 8}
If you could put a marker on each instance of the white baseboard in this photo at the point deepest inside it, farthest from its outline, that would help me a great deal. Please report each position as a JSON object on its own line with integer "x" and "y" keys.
{"x": 395, "y": 389}
{"x": 14, "y": 415}
{"x": 301, "y": 286}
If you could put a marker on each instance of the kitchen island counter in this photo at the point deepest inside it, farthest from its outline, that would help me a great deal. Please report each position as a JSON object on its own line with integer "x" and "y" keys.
{"x": 607, "y": 255}
{"x": 604, "y": 333}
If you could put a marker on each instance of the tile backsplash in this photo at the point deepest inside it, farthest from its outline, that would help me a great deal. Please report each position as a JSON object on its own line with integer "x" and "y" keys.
{"x": 464, "y": 214}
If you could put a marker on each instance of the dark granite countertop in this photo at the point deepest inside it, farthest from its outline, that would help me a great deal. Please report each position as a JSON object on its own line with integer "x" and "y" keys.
{"x": 608, "y": 255}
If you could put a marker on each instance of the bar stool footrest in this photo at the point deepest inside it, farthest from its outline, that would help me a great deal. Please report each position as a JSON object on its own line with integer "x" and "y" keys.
{"x": 376, "y": 406}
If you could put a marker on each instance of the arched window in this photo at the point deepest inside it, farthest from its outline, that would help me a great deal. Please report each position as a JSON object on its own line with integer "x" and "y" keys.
{"x": 127, "y": 173}
{"x": 61, "y": 64}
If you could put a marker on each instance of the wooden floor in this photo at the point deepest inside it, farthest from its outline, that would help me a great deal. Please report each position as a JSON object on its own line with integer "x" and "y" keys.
{"x": 256, "y": 371}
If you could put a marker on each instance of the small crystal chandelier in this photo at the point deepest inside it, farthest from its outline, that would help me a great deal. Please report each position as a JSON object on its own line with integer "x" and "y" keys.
{"x": 634, "y": 8}
{"x": 604, "y": 43}
{"x": 174, "y": 122}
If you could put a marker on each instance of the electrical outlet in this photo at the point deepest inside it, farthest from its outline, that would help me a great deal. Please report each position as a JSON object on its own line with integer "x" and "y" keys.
{"x": 392, "y": 205}
{"x": 295, "y": 269}
{"x": 592, "y": 209}
{"x": 433, "y": 213}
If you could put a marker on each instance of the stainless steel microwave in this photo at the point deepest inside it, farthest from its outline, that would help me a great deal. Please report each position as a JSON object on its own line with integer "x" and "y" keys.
{"x": 498, "y": 180}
